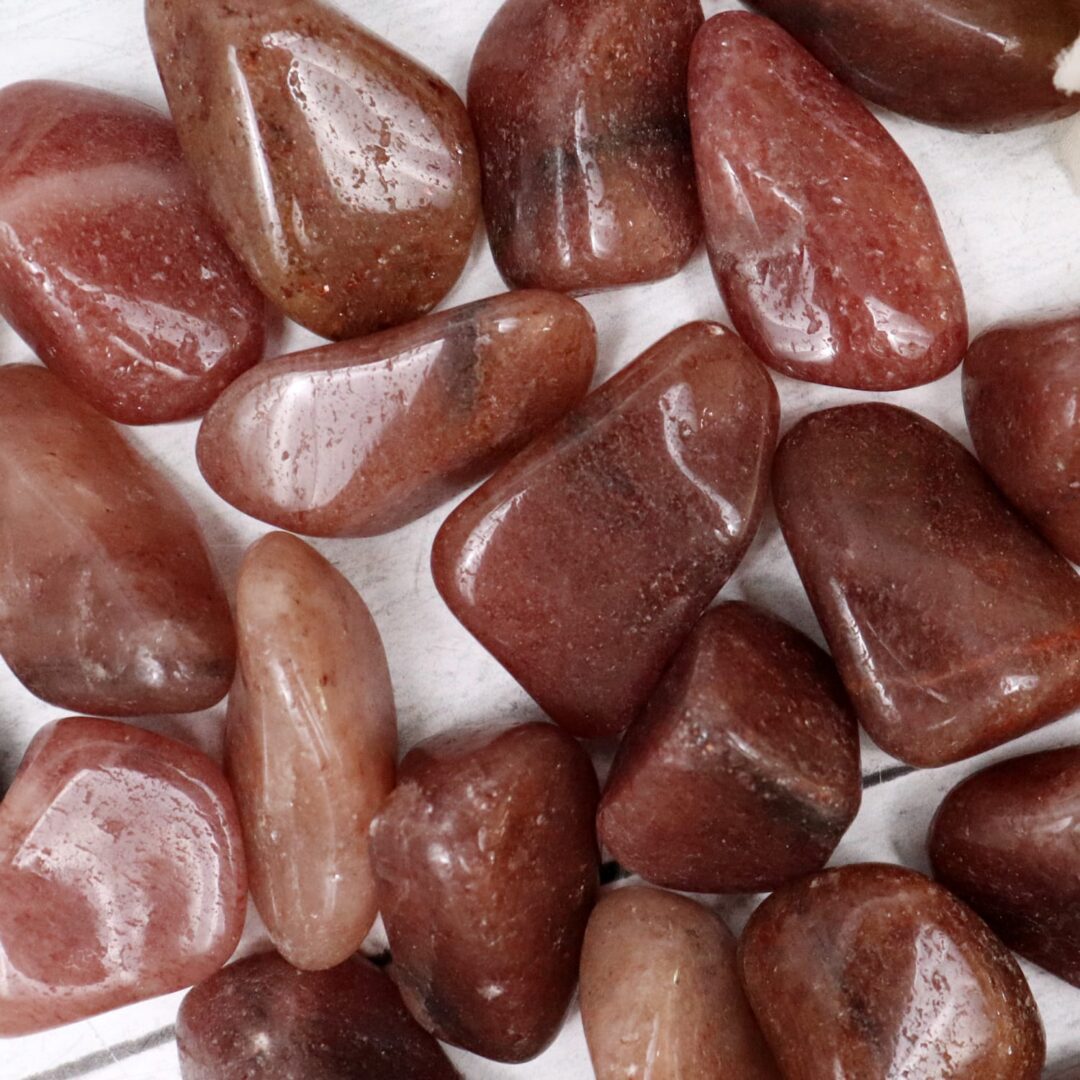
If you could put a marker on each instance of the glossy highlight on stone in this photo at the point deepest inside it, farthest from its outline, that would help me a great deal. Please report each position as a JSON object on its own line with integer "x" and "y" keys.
{"x": 660, "y": 993}
{"x": 311, "y": 744}
{"x": 364, "y": 436}
{"x": 822, "y": 236}
{"x": 121, "y": 873}
{"x": 261, "y": 1018}
{"x": 109, "y": 603}
{"x": 875, "y": 972}
{"x": 743, "y": 770}
{"x": 580, "y": 115}
{"x": 343, "y": 173}
{"x": 953, "y": 624}
{"x": 486, "y": 862}
{"x": 583, "y": 563}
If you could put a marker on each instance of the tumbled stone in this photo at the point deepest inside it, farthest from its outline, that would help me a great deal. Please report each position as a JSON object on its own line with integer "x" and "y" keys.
{"x": 121, "y": 873}
{"x": 984, "y": 65}
{"x": 486, "y": 862}
{"x": 875, "y": 972}
{"x": 580, "y": 115}
{"x": 954, "y": 626}
{"x": 743, "y": 770}
{"x": 364, "y": 436}
{"x": 1022, "y": 398}
{"x": 583, "y": 563}
{"x": 822, "y": 236}
{"x": 343, "y": 173}
{"x": 110, "y": 269}
{"x": 311, "y": 744}
{"x": 108, "y": 601}
{"x": 660, "y": 993}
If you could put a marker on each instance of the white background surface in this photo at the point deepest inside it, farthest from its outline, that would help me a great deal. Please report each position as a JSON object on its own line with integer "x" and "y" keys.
{"x": 1013, "y": 221}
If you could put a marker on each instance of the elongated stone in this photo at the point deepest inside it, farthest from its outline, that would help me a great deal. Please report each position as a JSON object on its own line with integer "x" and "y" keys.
{"x": 108, "y": 601}
{"x": 822, "y": 236}
{"x": 875, "y": 972}
{"x": 343, "y": 173}
{"x": 660, "y": 993}
{"x": 362, "y": 437}
{"x": 743, "y": 771}
{"x": 583, "y": 563}
{"x": 954, "y": 626}
{"x": 486, "y": 862}
{"x": 1022, "y": 398}
{"x": 121, "y": 873}
{"x": 580, "y": 115}
{"x": 262, "y": 1018}
{"x": 311, "y": 743}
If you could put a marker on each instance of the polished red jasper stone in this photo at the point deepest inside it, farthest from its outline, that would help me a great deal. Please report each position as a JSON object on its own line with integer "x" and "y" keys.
{"x": 580, "y": 115}
{"x": 743, "y": 771}
{"x": 364, "y": 436}
{"x": 121, "y": 873}
{"x": 1022, "y": 397}
{"x": 343, "y": 173}
{"x": 486, "y": 862}
{"x": 583, "y": 563}
{"x": 108, "y": 600}
{"x": 954, "y": 626}
{"x": 822, "y": 236}
{"x": 110, "y": 269}
{"x": 875, "y": 972}
{"x": 261, "y": 1018}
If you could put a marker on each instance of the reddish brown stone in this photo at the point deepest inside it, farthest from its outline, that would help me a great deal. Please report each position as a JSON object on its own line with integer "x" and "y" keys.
{"x": 109, "y": 267}
{"x": 580, "y": 114}
{"x": 875, "y": 972}
{"x": 954, "y": 626}
{"x": 743, "y": 771}
{"x": 108, "y": 601}
{"x": 822, "y": 236}
{"x": 583, "y": 563}
{"x": 486, "y": 862}
{"x": 362, "y": 437}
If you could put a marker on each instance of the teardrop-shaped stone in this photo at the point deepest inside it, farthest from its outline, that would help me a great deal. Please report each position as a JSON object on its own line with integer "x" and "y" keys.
{"x": 743, "y": 770}
{"x": 109, "y": 603}
{"x": 660, "y": 993}
{"x": 583, "y": 563}
{"x": 121, "y": 873}
{"x": 580, "y": 114}
{"x": 822, "y": 235}
{"x": 486, "y": 861}
{"x": 955, "y": 627}
{"x": 343, "y": 173}
{"x": 311, "y": 743}
{"x": 875, "y": 972}
{"x": 364, "y": 436}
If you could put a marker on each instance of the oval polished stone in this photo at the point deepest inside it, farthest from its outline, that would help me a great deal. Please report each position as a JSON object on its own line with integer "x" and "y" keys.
{"x": 984, "y": 65}
{"x": 121, "y": 873}
{"x": 260, "y": 1018}
{"x": 954, "y": 626}
{"x": 311, "y": 744}
{"x": 362, "y": 437}
{"x": 486, "y": 862}
{"x": 108, "y": 600}
{"x": 875, "y": 972}
{"x": 822, "y": 236}
{"x": 580, "y": 115}
{"x": 660, "y": 993}
{"x": 343, "y": 173}
{"x": 1022, "y": 398}
{"x": 110, "y": 269}
{"x": 743, "y": 770}
{"x": 583, "y": 563}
